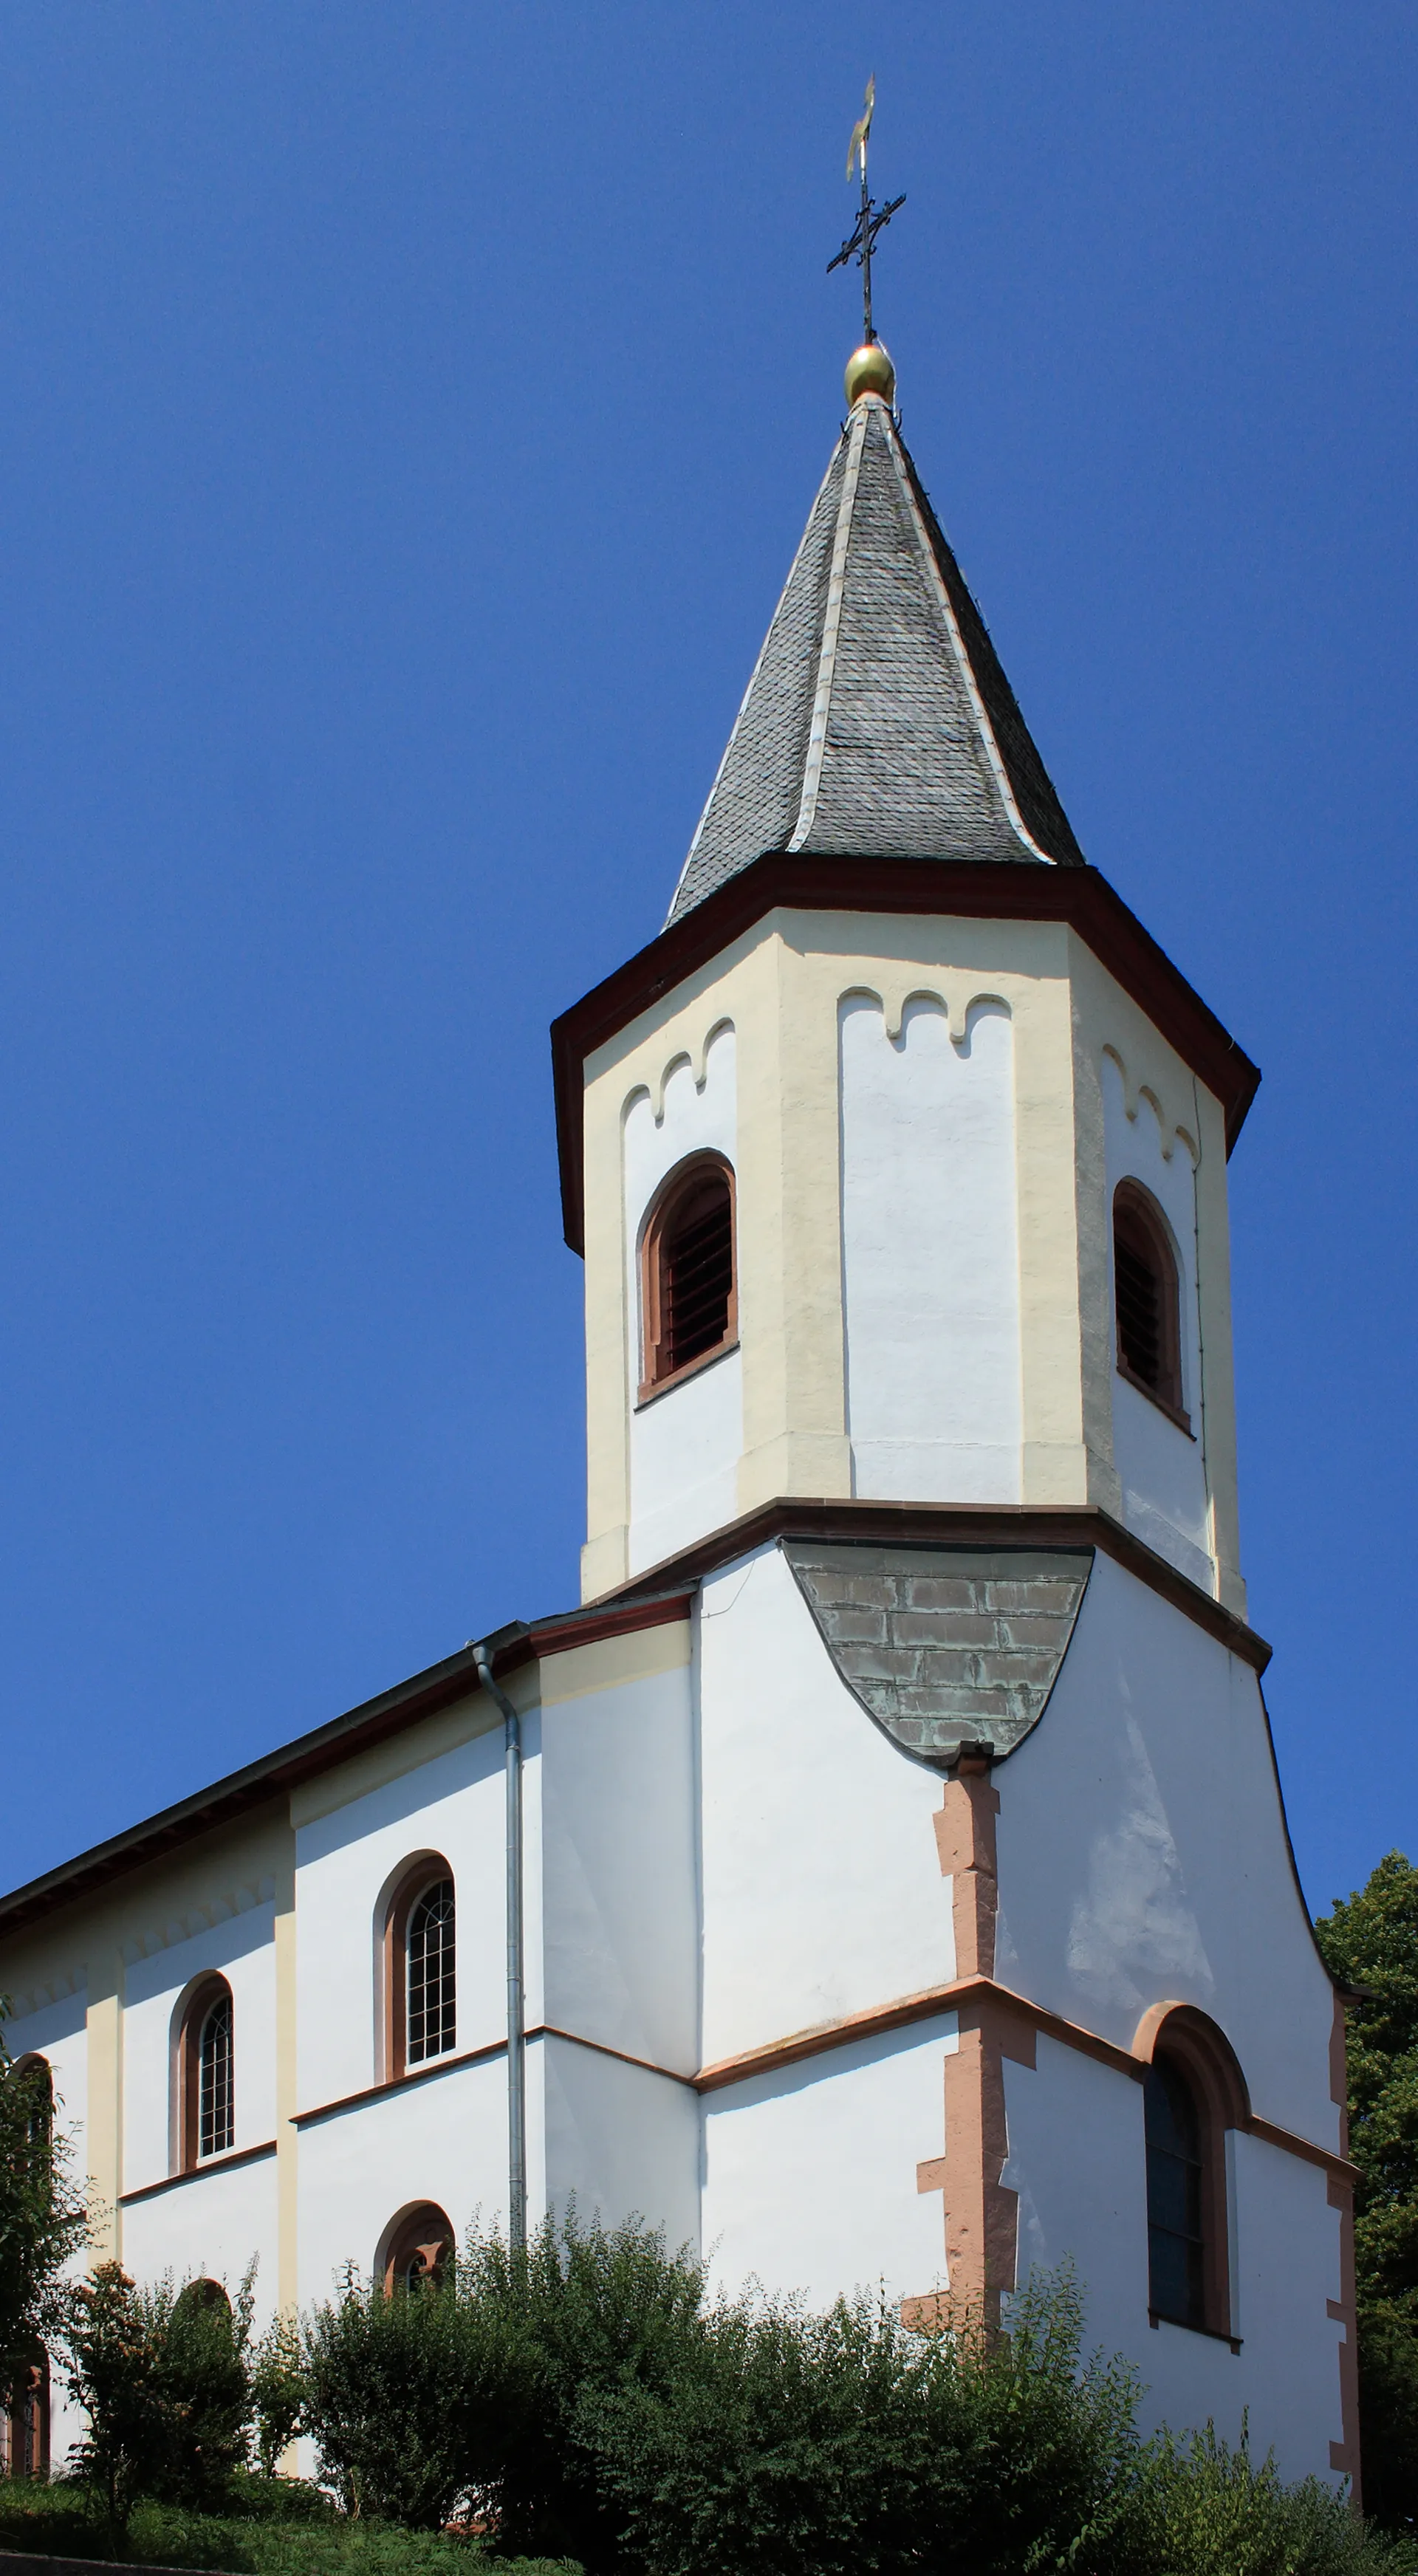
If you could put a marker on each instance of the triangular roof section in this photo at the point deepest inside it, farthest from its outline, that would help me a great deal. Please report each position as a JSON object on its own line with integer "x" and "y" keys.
{"x": 878, "y": 722}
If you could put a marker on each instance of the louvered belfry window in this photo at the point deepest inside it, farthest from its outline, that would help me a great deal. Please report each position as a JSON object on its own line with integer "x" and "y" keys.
{"x": 432, "y": 2026}
{"x": 1145, "y": 1288}
{"x": 216, "y": 2118}
{"x": 688, "y": 1283}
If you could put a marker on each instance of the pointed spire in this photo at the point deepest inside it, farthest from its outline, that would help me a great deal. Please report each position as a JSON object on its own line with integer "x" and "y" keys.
{"x": 878, "y": 722}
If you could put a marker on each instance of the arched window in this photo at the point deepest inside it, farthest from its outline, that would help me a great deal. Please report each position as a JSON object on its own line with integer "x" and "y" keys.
{"x": 418, "y": 2247}
{"x": 688, "y": 1288}
{"x": 1175, "y": 2243}
{"x": 1147, "y": 1301}
{"x": 24, "y": 2419}
{"x": 420, "y": 1967}
{"x": 1193, "y": 2092}
{"x": 205, "y": 2074}
{"x": 34, "y": 2073}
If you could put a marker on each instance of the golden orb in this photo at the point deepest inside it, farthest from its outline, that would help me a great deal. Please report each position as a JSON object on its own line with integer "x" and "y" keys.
{"x": 869, "y": 371}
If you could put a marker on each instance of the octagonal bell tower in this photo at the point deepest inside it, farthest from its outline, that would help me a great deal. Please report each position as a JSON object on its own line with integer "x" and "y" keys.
{"x": 844, "y": 1146}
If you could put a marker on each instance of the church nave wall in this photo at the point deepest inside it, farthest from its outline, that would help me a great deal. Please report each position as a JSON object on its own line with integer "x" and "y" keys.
{"x": 348, "y": 1860}
{"x": 810, "y": 2172}
{"x": 242, "y": 1950}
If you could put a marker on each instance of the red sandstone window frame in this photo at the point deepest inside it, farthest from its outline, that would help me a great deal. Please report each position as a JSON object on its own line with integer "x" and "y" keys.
{"x": 197, "y": 2005}
{"x": 1136, "y": 1214}
{"x": 1191, "y": 2046}
{"x": 413, "y": 1882}
{"x": 656, "y": 1238}
{"x": 419, "y": 2241}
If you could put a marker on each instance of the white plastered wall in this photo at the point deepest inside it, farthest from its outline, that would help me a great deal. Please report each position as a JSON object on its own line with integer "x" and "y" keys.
{"x": 930, "y": 1255}
{"x": 442, "y": 2140}
{"x": 1161, "y": 1467}
{"x": 623, "y": 2140}
{"x": 822, "y": 1889}
{"x": 620, "y": 1863}
{"x": 1077, "y": 2160}
{"x": 242, "y": 1949}
{"x": 348, "y": 1858}
{"x": 210, "y": 2226}
{"x": 1143, "y": 1857}
{"x": 685, "y": 1443}
{"x": 810, "y": 2171}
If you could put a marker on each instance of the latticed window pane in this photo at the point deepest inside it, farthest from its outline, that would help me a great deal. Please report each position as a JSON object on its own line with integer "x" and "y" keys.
{"x": 432, "y": 2011}
{"x": 216, "y": 2129}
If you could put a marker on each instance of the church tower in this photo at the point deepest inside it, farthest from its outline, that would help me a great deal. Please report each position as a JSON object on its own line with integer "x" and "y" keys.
{"x": 899, "y": 1165}
{"x": 898, "y": 1160}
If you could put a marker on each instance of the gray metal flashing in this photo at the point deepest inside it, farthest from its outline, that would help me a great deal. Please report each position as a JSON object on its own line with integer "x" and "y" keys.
{"x": 878, "y": 722}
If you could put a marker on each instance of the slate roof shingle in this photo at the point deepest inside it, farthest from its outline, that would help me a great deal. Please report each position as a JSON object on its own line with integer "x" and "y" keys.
{"x": 878, "y": 722}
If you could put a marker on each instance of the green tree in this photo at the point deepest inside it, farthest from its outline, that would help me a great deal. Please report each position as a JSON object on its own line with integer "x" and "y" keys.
{"x": 42, "y": 2221}
{"x": 1370, "y": 1942}
{"x": 164, "y": 2380}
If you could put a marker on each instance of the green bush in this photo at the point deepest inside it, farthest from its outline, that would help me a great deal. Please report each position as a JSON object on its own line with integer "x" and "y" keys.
{"x": 163, "y": 2378}
{"x": 602, "y": 2309}
{"x": 415, "y": 2399}
{"x": 584, "y": 2401}
{"x": 42, "y": 2215}
{"x": 844, "y": 2443}
{"x": 277, "y": 2391}
{"x": 1202, "y": 2508}
{"x": 589, "y": 2402}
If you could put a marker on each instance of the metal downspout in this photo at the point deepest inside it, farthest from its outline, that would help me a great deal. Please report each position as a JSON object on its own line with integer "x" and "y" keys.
{"x": 516, "y": 2009}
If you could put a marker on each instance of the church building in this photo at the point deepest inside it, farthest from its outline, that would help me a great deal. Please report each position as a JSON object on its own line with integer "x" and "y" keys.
{"x": 881, "y": 1876}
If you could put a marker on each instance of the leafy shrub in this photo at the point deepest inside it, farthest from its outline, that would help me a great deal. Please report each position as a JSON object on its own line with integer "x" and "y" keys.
{"x": 42, "y": 2219}
{"x": 601, "y": 2308}
{"x": 844, "y": 2443}
{"x": 415, "y": 2398}
{"x": 163, "y": 2379}
{"x": 1203, "y": 2508}
{"x": 277, "y": 2392}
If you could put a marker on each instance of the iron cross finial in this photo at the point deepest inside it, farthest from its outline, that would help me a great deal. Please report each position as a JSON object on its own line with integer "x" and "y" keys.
{"x": 870, "y": 218}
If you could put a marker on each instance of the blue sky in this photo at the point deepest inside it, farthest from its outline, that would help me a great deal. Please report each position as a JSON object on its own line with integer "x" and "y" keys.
{"x": 407, "y": 416}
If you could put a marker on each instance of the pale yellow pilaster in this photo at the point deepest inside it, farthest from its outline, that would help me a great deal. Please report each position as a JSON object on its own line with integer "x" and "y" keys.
{"x": 287, "y": 2102}
{"x": 103, "y": 2129}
